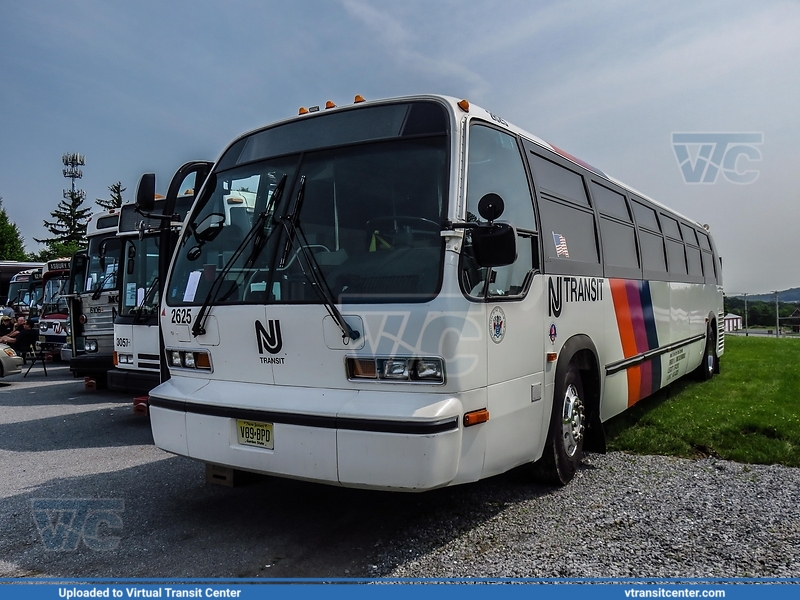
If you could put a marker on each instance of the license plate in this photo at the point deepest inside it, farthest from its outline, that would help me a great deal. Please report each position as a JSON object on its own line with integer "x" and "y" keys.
{"x": 253, "y": 433}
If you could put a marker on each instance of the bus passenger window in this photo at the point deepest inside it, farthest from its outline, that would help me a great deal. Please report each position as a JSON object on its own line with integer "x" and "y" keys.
{"x": 495, "y": 166}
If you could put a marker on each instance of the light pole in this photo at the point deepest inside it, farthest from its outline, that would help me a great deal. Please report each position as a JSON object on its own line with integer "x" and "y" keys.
{"x": 777, "y": 316}
{"x": 746, "y": 332}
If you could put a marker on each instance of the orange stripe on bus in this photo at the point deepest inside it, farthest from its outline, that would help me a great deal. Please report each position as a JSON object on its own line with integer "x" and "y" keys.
{"x": 619, "y": 294}
{"x": 624, "y": 323}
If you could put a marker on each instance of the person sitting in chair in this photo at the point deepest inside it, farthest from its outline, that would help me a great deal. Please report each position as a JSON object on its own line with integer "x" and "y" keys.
{"x": 25, "y": 340}
{"x": 6, "y": 326}
{"x": 12, "y": 331}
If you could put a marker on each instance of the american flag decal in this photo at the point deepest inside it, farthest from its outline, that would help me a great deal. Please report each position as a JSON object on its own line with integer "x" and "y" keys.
{"x": 561, "y": 245}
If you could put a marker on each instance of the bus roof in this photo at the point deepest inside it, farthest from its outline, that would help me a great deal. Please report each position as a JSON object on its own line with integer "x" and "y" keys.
{"x": 463, "y": 107}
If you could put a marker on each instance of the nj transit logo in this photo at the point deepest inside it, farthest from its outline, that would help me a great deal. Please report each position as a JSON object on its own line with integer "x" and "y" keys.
{"x": 269, "y": 338}
{"x": 701, "y": 156}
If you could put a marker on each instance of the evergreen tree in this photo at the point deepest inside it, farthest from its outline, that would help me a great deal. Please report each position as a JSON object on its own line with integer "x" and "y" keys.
{"x": 70, "y": 220}
{"x": 116, "y": 197}
{"x": 11, "y": 242}
{"x": 56, "y": 250}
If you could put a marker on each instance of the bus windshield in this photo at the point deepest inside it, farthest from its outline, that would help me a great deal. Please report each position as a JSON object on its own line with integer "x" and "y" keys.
{"x": 18, "y": 293}
{"x": 103, "y": 258}
{"x": 361, "y": 215}
{"x": 140, "y": 289}
{"x": 52, "y": 300}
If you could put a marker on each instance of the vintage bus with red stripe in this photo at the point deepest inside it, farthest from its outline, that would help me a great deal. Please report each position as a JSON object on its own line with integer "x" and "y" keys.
{"x": 421, "y": 294}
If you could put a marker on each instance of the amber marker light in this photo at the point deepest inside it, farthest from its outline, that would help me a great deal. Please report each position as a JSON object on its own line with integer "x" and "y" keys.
{"x": 552, "y": 357}
{"x": 464, "y": 105}
{"x": 115, "y": 358}
{"x": 358, "y": 98}
{"x": 202, "y": 361}
{"x": 303, "y": 111}
{"x": 329, "y": 104}
{"x": 476, "y": 416}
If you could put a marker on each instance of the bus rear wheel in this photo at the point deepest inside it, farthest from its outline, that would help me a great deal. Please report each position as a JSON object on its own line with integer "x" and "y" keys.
{"x": 563, "y": 449}
{"x": 708, "y": 366}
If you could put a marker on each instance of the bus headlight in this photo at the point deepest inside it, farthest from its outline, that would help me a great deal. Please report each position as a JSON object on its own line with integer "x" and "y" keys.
{"x": 125, "y": 359}
{"x": 189, "y": 359}
{"x": 90, "y": 346}
{"x": 428, "y": 369}
{"x": 395, "y": 369}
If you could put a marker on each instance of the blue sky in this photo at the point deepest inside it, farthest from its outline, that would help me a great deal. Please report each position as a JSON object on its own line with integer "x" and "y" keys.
{"x": 148, "y": 85}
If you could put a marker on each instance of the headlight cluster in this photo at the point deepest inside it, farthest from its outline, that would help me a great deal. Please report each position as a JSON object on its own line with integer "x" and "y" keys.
{"x": 9, "y": 351}
{"x": 124, "y": 359}
{"x": 189, "y": 359}
{"x": 91, "y": 346}
{"x": 422, "y": 370}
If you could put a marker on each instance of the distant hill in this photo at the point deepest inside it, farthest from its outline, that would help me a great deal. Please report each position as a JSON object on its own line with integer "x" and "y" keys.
{"x": 790, "y": 295}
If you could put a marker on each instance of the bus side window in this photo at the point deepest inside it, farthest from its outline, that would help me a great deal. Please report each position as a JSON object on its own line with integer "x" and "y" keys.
{"x": 495, "y": 166}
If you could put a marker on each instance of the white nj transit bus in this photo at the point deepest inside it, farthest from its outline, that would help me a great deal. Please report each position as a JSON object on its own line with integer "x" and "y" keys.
{"x": 422, "y": 295}
{"x": 136, "y": 333}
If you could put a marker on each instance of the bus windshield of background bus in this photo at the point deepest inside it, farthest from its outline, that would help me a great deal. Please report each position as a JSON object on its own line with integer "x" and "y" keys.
{"x": 18, "y": 293}
{"x": 53, "y": 302}
{"x": 103, "y": 258}
{"x": 140, "y": 289}
{"x": 370, "y": 211}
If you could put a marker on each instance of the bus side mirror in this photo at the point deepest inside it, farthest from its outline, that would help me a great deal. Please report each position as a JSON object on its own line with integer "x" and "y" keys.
{"x": 494, "y": 245}
{"x": 146, "y": 193}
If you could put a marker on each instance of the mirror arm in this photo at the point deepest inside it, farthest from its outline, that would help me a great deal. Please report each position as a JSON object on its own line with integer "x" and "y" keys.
{"x": 451, "y": 225}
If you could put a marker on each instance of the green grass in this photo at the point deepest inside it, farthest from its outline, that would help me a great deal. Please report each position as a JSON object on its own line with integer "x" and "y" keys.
{"x": 749, "y": 413}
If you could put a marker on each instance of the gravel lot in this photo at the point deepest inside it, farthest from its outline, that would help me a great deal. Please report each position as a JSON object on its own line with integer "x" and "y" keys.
{"x": 623, "y": 516}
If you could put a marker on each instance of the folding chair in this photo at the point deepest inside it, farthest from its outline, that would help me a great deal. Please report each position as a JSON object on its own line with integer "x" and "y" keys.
{"x": 29, "y": 348}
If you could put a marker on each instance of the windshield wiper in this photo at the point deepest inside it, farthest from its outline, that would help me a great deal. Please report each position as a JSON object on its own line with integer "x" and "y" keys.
{"x": 256, "y": 233}
{"x": 100, "y": 290}
{"x": 139, "y": 309}
{"x": 317, "y": 280}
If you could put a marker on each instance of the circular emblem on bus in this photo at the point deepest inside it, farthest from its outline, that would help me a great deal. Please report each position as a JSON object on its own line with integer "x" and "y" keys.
{"x": 497, "y": 325}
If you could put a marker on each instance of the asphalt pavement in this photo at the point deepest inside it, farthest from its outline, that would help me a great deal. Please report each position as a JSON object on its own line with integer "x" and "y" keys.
{"x": 85, "y": 493}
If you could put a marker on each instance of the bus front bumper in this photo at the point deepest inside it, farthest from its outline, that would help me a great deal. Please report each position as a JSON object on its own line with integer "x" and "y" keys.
{"x": 132, "y": 380}
{"x": 355, "y": 438}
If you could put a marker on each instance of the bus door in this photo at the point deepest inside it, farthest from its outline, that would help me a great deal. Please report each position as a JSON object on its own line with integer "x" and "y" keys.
{"x": 77, "y": 284}
{"x": 513, "y": 297}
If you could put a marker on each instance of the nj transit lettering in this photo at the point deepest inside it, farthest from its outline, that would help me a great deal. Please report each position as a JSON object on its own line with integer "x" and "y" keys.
{"x": 572, "y": 289}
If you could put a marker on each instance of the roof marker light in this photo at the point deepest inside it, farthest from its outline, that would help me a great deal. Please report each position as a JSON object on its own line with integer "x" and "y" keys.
{"x": 303, "y": 111}
{"x": 358, "y": 98}
{"x": 329, "y": 104}
{"x": 464, "y": 105}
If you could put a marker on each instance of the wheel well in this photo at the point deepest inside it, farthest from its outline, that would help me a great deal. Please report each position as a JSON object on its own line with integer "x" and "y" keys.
{"x": 581, "y": 352}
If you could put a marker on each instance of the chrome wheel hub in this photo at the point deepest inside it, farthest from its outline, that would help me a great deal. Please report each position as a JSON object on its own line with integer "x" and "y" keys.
{"x": 572, "y": 421}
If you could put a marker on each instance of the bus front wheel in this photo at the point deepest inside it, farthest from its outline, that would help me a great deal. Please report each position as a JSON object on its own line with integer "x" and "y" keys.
{"x": 564, "y": 446}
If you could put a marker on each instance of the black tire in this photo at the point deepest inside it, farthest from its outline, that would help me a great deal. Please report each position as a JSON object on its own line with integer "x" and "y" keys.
{"x": 563, "y": 449}
{"x": 709, "y": 365}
